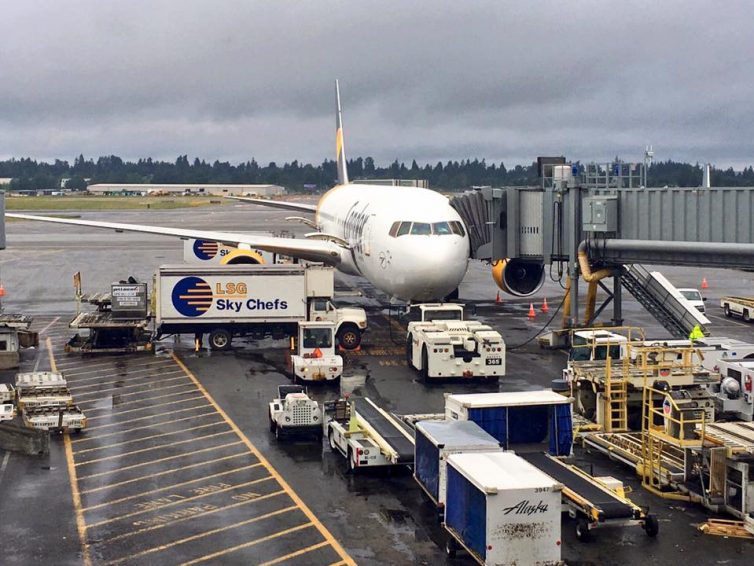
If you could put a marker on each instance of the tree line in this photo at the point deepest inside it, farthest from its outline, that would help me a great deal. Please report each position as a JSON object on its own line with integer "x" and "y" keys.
{"x": 31, "y": 175}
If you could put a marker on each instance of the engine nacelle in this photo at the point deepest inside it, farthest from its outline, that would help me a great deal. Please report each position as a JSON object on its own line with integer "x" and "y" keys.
{"x": 518, "y": 277}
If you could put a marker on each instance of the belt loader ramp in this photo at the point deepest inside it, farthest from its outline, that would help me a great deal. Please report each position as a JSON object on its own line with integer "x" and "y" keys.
{"x": 367, "y": 435}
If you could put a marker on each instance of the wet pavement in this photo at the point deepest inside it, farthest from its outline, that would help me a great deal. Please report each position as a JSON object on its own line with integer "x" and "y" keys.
{"x": 178, "y": 464}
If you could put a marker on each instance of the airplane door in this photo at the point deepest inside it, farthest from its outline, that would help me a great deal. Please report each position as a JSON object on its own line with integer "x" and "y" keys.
{"x": 366, "y": 236}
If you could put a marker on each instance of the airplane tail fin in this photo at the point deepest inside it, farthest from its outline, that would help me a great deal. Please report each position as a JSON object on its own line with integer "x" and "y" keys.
{"x": 340, "y": 149}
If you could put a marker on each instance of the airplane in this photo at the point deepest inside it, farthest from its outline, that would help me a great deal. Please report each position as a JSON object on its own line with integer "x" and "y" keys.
{"x": 408, "y": 242}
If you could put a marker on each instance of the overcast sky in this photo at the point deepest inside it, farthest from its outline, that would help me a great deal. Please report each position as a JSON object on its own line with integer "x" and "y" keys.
{"x": 503, "y": 80}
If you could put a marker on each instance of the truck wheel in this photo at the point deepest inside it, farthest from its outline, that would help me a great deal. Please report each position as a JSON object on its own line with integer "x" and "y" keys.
{"x": 219, "y": 339}
{"x": 331, "y": 441}
{"x": 424, "y": 371}
{"x": 278, "y": 433}
{"x": 747, "y": 316}
{"x": 451, "y": 547}
{"x": 349, "y": 459}
{"x": 272, "y": 423}
{"x": 582, "y": 529}
{"x": 349, "y": 337}
{"x": 651, "y": 526}
{"x": 410, "y": 351}
{"x": 726, "y": 310}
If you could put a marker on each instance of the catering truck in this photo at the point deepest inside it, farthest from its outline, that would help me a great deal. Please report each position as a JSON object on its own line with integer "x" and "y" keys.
{"x": 250, "y": 300}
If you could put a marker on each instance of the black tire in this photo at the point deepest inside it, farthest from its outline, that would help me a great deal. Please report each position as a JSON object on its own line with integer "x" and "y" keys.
{"x": 726, "y": 310}
{"x": 451, "y": 547}
{"x": 272, "y": 423}
{"x": 747, "y": 316}
{"x": 349, "y": 461}
{"x": 651, "y": 526}
{"x": 410, "y": 351}
{"x": 331, "y": 442}
{"x": 320, "y": 435}
{"x": 424, "y": 371}
{"x": 582, "y": 529}
{"x": 278, "y": 433}
{"x": 349, "y": 337}
{"x": 220, "y": 339}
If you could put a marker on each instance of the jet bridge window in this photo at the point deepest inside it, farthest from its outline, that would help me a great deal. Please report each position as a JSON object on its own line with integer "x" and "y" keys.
{"x": 317, "y": 338}
{"x": 421, "y": 229}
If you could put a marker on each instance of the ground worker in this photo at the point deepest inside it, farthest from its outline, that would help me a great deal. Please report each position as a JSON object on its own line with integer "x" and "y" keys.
{"x": 696, "y": 333}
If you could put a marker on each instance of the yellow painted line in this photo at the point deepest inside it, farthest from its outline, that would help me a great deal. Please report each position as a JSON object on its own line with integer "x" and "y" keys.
{"x": 146, "y": 406}
{"x": 138, "y": 419}
{"x": 143, "y": 379}
{"x": 106, "y": 446}
{"x": 166, "y": 459}
{"x": 100, "y": 436}
{"x": 53, "y": 365}
{"x": 180, "y": 501}
{"x": 164, "y": 473}
{"x": 204, "y": 534}
{"x": 246, "y": 544}
{"x": 173, "y": 486}
{"x": 202, "y": 514}
{"x": 135, "y": 393}
{"x": 292, "y": 494}
{"x": 76, "y": 496}
{"x": 142, "y": 450}
{"x": 118, "y": 413}
{"x": 147, "y": 390}
{"x": 301, "y": 552}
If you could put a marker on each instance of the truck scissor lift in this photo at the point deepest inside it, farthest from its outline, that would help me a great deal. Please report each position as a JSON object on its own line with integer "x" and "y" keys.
{"x": 368, "y": 436}
{"x": 590, "y": 501}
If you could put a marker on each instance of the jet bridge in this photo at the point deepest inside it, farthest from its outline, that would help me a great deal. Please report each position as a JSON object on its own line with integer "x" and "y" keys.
{"x": 611, "y": 228}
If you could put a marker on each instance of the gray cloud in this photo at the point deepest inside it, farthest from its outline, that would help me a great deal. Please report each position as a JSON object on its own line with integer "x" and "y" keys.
{"x": 423, "y": 80}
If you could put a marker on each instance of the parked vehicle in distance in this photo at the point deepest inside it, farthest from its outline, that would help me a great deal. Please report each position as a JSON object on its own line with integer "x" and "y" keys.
{"x": 292, "y": 412}
{"x": 740, "y": 306}
{"x": 694, "y": 297}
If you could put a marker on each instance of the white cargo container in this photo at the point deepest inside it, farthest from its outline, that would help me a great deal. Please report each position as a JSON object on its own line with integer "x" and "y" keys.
{"x": 435, "y": 441}
{"x": 502, "y": 510}
{"x": 39, "y": 380}
{"x": 257, "y": 300}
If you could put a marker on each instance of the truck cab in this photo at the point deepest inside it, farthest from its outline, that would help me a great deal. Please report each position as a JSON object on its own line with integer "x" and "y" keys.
{"x": 597, "y": 345}
{"x": 350, "y": 323}
{"x": 313, "y": 356}
{"x": 292, "y": 412}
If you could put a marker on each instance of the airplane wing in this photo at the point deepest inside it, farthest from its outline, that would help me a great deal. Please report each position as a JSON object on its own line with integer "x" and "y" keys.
{"x": 300, "y": 207}
{"x": 311, "y": 250}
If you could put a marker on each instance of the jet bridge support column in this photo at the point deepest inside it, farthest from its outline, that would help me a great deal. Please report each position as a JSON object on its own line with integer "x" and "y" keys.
{"x": 573, "y": 254}
{"x": 617, "y": 302}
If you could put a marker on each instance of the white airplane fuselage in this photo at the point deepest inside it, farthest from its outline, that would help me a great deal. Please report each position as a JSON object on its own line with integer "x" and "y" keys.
{"x": 426, "y": 263}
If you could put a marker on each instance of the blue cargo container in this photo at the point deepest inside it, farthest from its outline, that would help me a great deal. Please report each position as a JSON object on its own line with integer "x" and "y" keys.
{"x": 520, "y": 418}
{"x": 435, "y": 441}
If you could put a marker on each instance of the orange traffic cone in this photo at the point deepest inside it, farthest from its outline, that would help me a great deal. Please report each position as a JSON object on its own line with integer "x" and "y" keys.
{"x": 531, "y": 314}
{"x": 705, "y": 285}
{"x": 545, "y": 308}
{"x": 498, "y": 300}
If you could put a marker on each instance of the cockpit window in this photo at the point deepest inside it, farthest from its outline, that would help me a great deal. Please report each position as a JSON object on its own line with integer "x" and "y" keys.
{"x": 457, "y": 228}
{"x": 441, "y": 228}
{"x": 421, "y": 229}
{"x": 404, "y": 229}
{"x": 394, "y": 229}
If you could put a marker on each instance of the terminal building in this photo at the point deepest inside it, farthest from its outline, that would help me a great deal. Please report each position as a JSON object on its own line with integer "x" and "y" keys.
{"x": 131, "y": 189}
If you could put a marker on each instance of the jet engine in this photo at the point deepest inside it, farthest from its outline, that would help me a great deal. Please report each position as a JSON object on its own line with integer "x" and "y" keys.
{"x": 518, "y": 277}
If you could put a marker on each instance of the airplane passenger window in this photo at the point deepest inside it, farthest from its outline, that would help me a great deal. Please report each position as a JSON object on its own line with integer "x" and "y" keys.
{"x": 457, "y": 228}
{"x": 441, "y": 228}
{"x": 404, "y": 229}
{"x": 394, "y": 229}
{"x": 421, "y": 229}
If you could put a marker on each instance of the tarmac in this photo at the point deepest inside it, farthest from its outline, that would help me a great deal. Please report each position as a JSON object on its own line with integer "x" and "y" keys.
{"x": 178, "y": 465}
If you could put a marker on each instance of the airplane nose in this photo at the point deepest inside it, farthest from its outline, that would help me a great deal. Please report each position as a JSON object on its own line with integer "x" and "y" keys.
{"x": 440, "y": 269}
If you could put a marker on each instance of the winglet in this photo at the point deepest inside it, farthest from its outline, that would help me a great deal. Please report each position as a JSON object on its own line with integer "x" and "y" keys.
{"x": 340, "y": 150}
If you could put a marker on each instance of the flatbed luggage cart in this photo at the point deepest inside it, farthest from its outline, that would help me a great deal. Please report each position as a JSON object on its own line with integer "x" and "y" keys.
{"x": 590, "y": 501}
